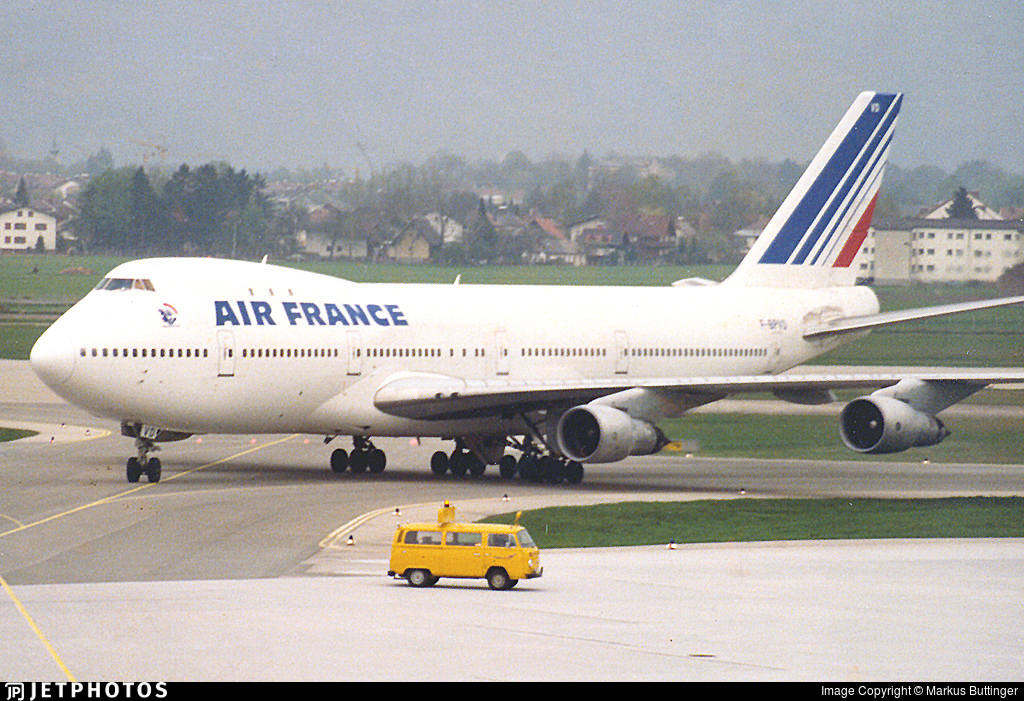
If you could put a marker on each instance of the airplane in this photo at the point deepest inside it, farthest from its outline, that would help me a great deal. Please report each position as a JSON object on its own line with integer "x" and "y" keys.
{"x": 564, "y": 376}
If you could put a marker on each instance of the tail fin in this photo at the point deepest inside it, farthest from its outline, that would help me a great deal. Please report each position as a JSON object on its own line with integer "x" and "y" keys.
{"x": 815, "y": 234}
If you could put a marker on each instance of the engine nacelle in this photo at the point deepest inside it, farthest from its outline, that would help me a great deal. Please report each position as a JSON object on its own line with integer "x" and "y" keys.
{"x": 878, "y": 424}
{"x": 598, "y": 433}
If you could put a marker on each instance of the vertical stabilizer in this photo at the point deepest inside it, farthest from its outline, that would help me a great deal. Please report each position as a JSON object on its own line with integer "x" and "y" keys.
{"x": 816, "y": 232}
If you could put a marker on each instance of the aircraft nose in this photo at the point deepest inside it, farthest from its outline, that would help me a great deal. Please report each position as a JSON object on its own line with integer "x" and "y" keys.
{"x": 52, "y": 358}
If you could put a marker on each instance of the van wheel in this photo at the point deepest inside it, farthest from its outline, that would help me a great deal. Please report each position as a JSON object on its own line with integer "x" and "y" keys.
{"x": 498, "y": 578}
{"x": 420, "y": 578}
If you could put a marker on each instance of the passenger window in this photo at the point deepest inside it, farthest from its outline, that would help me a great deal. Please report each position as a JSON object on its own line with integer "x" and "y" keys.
{"x": 501, "y": 540}
{"x": 453, "y": 538}
{"x": 423, "y": 537}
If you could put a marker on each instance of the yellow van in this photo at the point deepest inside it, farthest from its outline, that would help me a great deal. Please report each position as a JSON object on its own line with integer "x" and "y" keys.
{"x": 422, "y": 553}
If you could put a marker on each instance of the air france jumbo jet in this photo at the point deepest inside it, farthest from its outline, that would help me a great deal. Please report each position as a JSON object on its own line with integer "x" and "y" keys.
{"x": 561, "y": 375}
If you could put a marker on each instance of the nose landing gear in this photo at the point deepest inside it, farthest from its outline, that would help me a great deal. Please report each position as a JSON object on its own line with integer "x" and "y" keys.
{"x": 143, "y": 464}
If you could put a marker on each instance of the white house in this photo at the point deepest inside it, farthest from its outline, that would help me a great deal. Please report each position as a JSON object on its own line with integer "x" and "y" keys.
{"x": 24, "y": 227}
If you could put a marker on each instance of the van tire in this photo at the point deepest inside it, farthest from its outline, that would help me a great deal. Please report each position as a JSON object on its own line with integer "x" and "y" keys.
{"x": 498, "y": 579}
{"x": 420, "y": 578}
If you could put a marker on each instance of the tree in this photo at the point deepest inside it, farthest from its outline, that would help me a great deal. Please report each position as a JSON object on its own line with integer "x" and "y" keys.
{"x": 146, "y": 221}
{"x": 1011, "y": 282}
{"x": 961, "y": 206}
{"x": 104, "y": 220}
{"x": 22, "y": 198}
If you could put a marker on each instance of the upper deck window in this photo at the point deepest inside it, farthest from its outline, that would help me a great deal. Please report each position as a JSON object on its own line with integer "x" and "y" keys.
{"x": 120, "y": 283}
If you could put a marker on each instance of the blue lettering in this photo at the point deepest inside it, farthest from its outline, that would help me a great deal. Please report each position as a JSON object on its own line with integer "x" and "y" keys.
{"x": 312, "y": 313}
{"x": 396, "y": 315}
{"x": 243, "y": 312}
{"x": 261, "y": 310}
{"x": 225, "y": 314}
{"x": 357, "y": 314}
{"x": 334, "y": 315}
{"x": 378, "y": 314}
{"x": 291, "y": 310}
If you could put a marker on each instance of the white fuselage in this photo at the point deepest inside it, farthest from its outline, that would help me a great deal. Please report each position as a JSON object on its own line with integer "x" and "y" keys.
{"x": 208, "y": 346}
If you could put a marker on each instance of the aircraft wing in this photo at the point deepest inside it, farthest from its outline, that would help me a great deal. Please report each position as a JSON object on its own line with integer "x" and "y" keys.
{"x": 862, "y": 323}
{"x": 435, "y": 397}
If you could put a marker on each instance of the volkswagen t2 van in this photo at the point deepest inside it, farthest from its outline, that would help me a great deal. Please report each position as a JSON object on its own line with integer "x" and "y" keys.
{"x": 422, "y": 553}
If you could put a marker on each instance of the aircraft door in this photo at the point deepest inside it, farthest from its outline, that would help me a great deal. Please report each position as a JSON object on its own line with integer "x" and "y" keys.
{"x": 225, "y": 354}
{"x": 621, "y": 353}
{"x": 501, "y": 346}
{"x": 355, "y": 356}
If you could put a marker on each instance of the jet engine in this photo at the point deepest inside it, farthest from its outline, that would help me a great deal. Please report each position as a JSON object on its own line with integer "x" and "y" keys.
{"x": 598, "y": 433}
{"x": 879, "y": 424}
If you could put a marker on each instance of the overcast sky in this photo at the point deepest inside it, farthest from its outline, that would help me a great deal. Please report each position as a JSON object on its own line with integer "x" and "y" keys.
{"x": 268, "y": 84}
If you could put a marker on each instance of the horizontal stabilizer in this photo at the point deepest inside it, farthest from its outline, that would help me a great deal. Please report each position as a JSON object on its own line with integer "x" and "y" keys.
{"x": 864, "y": 323}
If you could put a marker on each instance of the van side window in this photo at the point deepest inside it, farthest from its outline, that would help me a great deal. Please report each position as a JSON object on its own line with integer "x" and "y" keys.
{"x": 423, "y": 538}
{"x": 501, "y": 540}
{"x": 455, "y": 538}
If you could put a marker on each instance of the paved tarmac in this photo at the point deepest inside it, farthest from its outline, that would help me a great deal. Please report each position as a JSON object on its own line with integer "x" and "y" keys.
{"x": 236, "y": 566}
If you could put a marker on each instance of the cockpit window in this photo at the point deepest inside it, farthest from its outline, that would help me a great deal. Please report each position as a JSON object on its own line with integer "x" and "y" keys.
{"x": 120, "y": 283}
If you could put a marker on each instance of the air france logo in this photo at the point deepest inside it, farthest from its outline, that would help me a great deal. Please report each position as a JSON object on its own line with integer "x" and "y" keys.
{"x": 257, "y": 313}
{"x": 168, "y": 313}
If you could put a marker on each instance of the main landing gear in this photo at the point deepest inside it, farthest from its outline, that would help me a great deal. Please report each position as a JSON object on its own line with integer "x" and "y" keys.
{"x": 534, "y": 465}
{"x": 364, "y": 456}
{"x": 143, "y": 464}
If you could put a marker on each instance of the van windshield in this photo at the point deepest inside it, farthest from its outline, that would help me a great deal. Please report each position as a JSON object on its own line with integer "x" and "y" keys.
{"x": 525, "y": 541}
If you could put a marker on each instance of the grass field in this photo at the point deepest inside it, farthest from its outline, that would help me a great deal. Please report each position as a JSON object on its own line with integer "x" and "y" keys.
{"x": 744, "y": 520}
{"x": 13, "y": 434}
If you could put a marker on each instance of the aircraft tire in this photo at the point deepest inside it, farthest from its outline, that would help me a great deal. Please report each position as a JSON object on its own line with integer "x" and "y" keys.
{"x": 476, "y": 465}
{"x": 458, "y": 464}
{"x": 550, "y": 470}
{"x": 339, "y": 460}
{"x": 376, "y": 460}
{"x": 439, "y": 462}
{"x": 357, "y": 461}
{"x": 507, "y": 466}
{"x": 133, "y": 470}
{"x": 153, "y": 470}
{"x": 573, "y": 472}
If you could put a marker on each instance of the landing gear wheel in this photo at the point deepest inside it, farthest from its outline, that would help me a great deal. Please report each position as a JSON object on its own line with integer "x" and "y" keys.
{"x": 458, "y": 464}
{"x": 439, "y": 462}
{"x": 573, "y": 472}
{"x": 153, "y": 470}
{"x": 339, "y": 460}
{"x": 376, "y": 460}
{"x": 357, "y": 461}
{"x": 133, "y": 470}
{"x": 476, "y": 465}
{"x": 507, "y": 466}
{"x": 529, "y": 468}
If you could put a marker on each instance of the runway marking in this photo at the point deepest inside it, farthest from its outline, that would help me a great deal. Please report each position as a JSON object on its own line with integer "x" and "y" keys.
{"x": 35, "y": 629}
{"x": 114, "y": 497}
{"x": 13, "y": 520}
